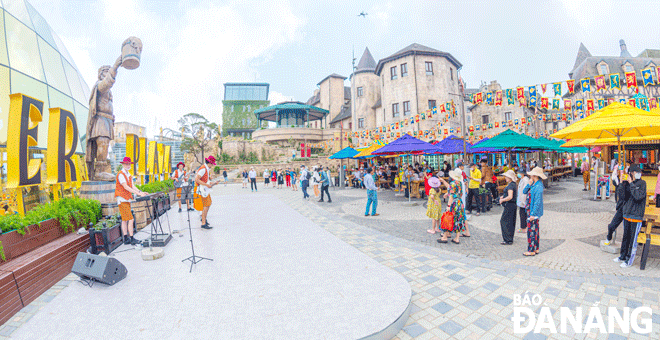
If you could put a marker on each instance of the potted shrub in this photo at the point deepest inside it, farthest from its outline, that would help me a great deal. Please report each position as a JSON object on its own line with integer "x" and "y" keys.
{"x": 105, "y": 235}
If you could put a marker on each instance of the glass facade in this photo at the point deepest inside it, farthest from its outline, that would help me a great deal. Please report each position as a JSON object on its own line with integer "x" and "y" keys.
{"x": 236, "y": 91}
{"x": 33, "y": 61}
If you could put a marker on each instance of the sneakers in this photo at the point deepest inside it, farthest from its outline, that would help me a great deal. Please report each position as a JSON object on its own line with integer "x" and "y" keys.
{"x": 206, "y": 226}
{"x": 607, "y": 242}
{"x": 329, "y": 201}
{"x": 321, "y": 200}
{"x": 624, "y": 265}
{"x": 127, "y": 240}
{"x": 618, "y": 259}
{"x": 134, "y": 241}
{"x": 179, "y": 209}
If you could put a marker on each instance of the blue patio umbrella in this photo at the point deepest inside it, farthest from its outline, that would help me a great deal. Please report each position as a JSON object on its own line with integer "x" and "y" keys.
{"x": 344, "y": 153}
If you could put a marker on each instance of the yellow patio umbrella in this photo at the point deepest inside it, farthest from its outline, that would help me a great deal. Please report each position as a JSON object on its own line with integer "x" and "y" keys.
{"x": 573, "y": 142}
{"x": 614, "y": 121}
{"x": 367, "y": 151}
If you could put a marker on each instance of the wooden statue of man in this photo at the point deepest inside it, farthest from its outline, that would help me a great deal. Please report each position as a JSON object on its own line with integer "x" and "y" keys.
{"x": 100, "y": 124}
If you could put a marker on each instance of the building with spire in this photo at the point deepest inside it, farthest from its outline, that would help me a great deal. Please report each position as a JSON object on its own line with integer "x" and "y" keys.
{"x": 409, "y": 82}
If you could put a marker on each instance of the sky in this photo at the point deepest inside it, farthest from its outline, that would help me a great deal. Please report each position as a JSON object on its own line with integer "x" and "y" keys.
{"x": 192, "y": 47}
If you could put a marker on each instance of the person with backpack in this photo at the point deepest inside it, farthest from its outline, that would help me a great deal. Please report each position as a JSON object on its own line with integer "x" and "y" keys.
{"x": 325, "y": 184}
{"x": 633, "y": 214}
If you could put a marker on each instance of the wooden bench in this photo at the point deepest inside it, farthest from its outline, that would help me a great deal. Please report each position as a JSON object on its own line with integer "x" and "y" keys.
{"x": 649, "y": 235}
{"x": 33, "y": 273}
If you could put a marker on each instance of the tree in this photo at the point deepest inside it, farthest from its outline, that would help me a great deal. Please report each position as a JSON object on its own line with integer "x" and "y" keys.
{"x": 198, "y": 133}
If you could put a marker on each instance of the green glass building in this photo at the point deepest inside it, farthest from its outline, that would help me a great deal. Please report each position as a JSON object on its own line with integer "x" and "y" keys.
{"x": 240, "y": 101}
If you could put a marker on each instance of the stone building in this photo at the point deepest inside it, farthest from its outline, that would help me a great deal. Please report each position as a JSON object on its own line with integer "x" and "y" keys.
{"x": 240, "y": 101}
{"x": 492, "y": 116}
{"x": 589, "y": 66}
{"x": 122, "y": 128}
{"x": 333, "y": 96}
{"x": 404, "y": 84}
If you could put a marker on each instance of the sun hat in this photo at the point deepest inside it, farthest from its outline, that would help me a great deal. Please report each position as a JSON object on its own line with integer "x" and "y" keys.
{"x": 127, "y": 160}
{"x": 211, "y": 160}
{"x": 434, "y": 182}
{"x": 181, "y": 163}
{"x": 537, "y": 172}
{"x": 511, "y": 175}
{"x": 455, "y": 175}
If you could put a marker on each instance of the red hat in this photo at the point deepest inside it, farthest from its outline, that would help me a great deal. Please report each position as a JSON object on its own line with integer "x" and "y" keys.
{"x": 211, "y": 159}
{"x": 127, "y": 160}
{"x": 181, "y": 163}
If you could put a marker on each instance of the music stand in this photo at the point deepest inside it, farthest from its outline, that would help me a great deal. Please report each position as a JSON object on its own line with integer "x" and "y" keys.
{"x": 156, "y": 208}
{"x": 194, "y": 259}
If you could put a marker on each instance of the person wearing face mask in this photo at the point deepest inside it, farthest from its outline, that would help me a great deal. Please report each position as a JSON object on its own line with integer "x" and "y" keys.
{"x": 633, "y": 214}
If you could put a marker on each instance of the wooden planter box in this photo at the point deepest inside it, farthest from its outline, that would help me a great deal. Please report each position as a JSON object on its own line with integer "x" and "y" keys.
{"x": 105, "y": 240}
{"x": 15, "y": 244}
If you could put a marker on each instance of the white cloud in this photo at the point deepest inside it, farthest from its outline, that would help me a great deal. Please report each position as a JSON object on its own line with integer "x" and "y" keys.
{"x": 191, "y": 55}
{"x": 276, "y": 98}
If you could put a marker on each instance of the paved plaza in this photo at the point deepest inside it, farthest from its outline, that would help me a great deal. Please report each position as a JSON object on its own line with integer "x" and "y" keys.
{"x": 458, "y": 291}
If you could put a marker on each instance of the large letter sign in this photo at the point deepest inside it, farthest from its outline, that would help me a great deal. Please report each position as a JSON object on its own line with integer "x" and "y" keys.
{"x": 152, "y": 164}
{"x": 133, "y": 151}
{"x": 25, "y": 114}
{"x": 62, "y": 141}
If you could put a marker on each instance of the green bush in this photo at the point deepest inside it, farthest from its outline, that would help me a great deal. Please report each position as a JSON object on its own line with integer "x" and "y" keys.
{"x": 84, "y": 211}
{"x": 216, "y": 170}
{"x": 159, "y": 186}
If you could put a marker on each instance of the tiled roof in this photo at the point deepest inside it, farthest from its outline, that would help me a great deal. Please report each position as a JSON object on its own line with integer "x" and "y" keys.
{"x": 366, "y": 63}
{"x": 418, "y": 50}
{"x": 334, "y": 75}
{"x": 343, "y": 114}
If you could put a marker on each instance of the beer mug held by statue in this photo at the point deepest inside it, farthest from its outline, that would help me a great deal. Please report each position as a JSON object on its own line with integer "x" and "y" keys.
{"x": 101, "y": 120}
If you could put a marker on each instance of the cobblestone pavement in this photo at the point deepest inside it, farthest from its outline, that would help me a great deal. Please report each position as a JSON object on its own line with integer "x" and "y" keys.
{"x": 459, "y": 293}
{"x": 571, "y": 229}
{"x": 459, "y": 296}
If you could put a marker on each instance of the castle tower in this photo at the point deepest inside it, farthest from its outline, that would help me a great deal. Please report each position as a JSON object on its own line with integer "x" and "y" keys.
{"x": 365, "y": 93}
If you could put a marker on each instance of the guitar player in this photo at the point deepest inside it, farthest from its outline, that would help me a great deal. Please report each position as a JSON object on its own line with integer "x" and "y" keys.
{"x": 180, "y": 176}
{"x": 202, "y": 179}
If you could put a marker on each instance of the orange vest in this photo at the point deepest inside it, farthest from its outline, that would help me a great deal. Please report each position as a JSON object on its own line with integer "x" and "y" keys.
{"x": 205, "y": 178}
{"x": 119, "y": 189}
{"x": 177, "y": 173}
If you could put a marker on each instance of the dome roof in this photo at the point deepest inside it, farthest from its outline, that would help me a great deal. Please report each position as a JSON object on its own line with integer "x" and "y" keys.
{"x": 34, "y": 61}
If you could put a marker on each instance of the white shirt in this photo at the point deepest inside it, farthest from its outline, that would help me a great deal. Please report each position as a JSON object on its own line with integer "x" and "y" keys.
{"x": 266, "y": 174}
{"x": 122, "y": 180}
{"x": 252, "y": 174}
{"x": 521, "y": 201}
{"x": 176, "y": 174}
{"x": 303, "y": 174}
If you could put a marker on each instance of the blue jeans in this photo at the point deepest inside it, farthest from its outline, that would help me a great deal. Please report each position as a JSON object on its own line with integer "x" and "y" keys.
{"x": 304, "y": 185}
{"x": 372, "y": 197}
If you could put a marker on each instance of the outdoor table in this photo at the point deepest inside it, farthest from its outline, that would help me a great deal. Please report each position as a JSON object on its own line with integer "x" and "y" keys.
{"x": 650, "y": 234}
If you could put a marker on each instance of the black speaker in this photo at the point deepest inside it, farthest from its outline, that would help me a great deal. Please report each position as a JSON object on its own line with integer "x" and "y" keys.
{"x": 99, "y": 268}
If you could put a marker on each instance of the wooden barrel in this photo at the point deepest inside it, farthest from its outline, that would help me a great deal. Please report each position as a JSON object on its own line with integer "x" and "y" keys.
{"x": 141, "y": 214}
{"x": 109, "y": 209}
{"x": 101, "y": 191}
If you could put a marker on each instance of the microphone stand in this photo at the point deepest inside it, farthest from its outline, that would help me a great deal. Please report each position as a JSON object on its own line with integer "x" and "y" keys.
{"x": 194, "y": 259}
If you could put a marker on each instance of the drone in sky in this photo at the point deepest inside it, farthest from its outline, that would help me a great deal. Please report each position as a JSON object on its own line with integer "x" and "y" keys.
{"x": 363, "y": 14}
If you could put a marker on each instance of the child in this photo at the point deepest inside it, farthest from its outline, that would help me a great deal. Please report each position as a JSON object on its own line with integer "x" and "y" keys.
{"x": 434, "y": 207}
